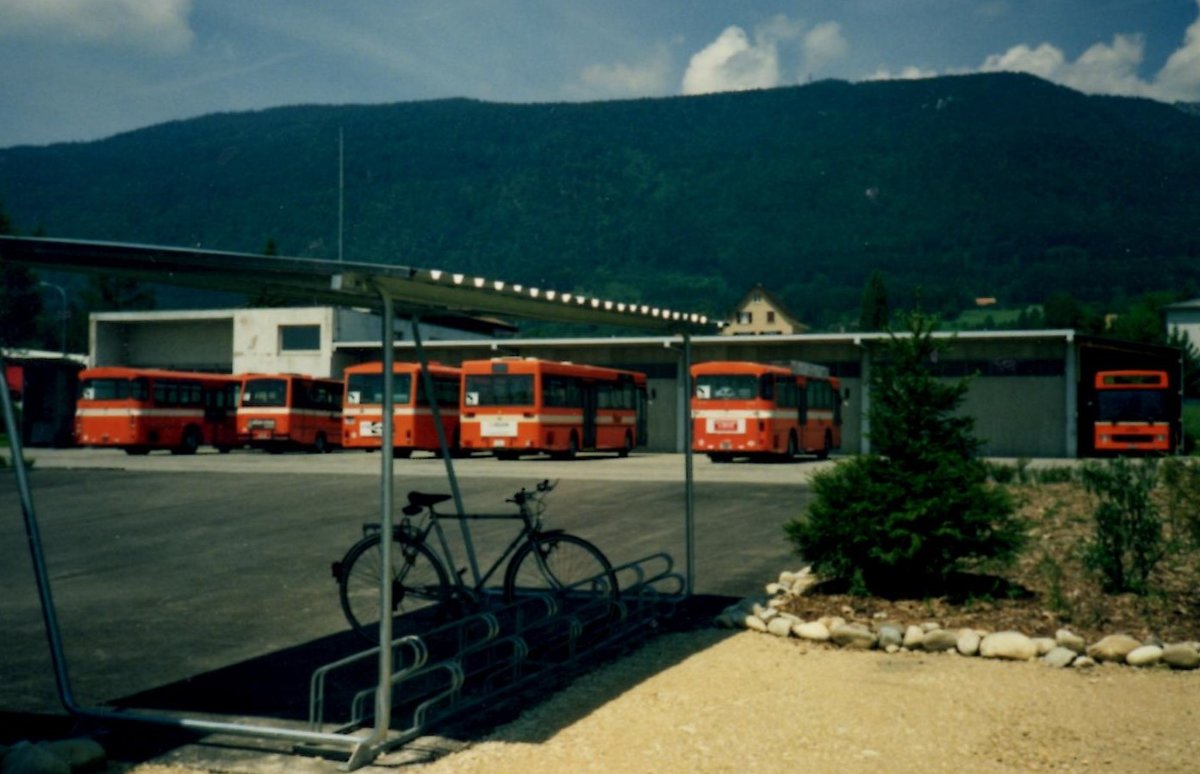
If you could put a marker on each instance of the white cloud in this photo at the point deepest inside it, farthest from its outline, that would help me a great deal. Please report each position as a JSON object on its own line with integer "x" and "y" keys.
{"x": 735, "y": 62}
{"x": 158, "y": 26}
{"x": 651, "y": 77}
{"x": 910, "y": 73}
{"x": 823, "y": 44}
{"x": 1104, "y": 68}
{"x": 732, "y": 63}
{"x": 1179, "y": 79}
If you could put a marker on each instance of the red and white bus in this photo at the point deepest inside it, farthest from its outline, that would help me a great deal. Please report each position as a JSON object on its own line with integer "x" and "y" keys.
{"x": 288, "y": 411}
{"x": 514, "y": 406}
{"x": 140, "y": 410}
{"x": 413, "y": 427}
{"x": 743, "y": 409}
{"x": 1133, "y": 412}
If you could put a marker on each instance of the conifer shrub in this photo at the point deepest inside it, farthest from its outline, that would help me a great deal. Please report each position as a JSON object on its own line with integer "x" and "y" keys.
{"x": 1127, "y": 539}
{"x": 912, "y": 515}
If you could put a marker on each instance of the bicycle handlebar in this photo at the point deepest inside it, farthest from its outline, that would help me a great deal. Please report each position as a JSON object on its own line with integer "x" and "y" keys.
{"x": 524, "y": 495}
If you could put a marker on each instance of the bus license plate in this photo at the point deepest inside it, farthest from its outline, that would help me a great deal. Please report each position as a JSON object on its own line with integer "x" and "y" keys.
{"x": 500, "y": 428}
{"x": 725, "y": 426}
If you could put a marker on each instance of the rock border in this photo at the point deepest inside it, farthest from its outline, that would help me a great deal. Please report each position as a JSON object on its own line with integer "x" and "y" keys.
{"x": 1064, "y": 649}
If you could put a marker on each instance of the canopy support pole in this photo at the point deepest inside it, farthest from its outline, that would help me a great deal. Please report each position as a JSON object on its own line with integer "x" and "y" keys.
{"x": 689, "y": 482}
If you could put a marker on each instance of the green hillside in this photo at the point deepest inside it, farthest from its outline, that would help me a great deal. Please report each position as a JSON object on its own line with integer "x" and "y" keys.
{"x": 986, "y": 185}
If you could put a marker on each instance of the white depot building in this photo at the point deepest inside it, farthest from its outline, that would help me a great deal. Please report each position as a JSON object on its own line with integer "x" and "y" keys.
{"x": 314, "y": 340}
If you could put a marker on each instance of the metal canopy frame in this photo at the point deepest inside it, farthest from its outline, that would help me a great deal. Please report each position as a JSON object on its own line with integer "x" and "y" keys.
{"x": 391, "y": 290}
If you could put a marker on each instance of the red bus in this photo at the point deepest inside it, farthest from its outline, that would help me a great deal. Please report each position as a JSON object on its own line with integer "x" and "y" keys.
{"x": 514, "y": 406}
{"x": 139, "y": 410}
{"x": 742, "y": 409}
{"x": 289, "y": 411}
{"x": 1133, "y": 412}
{"x": 413, "y": 428}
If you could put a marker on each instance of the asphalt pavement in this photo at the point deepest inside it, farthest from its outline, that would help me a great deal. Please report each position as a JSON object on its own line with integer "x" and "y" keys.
{"x": 202, "y": 583}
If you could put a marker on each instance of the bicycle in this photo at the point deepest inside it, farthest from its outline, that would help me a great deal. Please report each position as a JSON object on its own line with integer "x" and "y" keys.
{"x": 540, "y": 561}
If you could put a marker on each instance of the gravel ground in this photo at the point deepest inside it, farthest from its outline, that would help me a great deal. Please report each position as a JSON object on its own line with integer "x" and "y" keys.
{"x": 711, "y": 702}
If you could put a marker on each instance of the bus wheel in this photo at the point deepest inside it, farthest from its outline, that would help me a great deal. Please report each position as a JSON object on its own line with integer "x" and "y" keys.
{"x": 628, "y": 447}
{"x": 320, "y": 444}
{"x": 190, "y": 442}
{"x": 793, "y": 448}
{"x": 569, "y": 452}
{"x": 823, "y": 454}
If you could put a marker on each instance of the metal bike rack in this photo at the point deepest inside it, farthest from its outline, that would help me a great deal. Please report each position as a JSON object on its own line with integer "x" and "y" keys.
{"x": 498, "y": 652}
{"x": 380, "y": 287}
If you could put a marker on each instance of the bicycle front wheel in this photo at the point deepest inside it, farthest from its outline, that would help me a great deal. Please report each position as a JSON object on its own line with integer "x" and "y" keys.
{"x": 564, "y": 566}
{"x": 419, "y": 586}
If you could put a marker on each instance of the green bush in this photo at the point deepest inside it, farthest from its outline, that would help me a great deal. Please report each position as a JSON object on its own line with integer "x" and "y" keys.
{"x": 1181, "y": 484}
{"x": 1127, "y": 540}
{"x": 904, "y": 519}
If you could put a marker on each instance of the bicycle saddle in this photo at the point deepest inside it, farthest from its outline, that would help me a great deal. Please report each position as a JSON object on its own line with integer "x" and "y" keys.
{"x": 424, "y": 500}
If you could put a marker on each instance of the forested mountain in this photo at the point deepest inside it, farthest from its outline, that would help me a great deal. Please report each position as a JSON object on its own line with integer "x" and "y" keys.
{"x": 986, "y": 185}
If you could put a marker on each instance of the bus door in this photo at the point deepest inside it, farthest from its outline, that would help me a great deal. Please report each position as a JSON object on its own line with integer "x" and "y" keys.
{"x": 641, "y": 402}
{"x": 588, "y": 395}
{"x": 220, "y": 411}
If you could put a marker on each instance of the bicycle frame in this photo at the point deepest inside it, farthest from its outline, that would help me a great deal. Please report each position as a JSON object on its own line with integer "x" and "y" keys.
{"x": 530, "y": 529}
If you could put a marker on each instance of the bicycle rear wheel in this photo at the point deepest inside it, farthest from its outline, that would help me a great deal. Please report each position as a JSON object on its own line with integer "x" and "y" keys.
{"x": 420, "y": 586}
{"x": 571, "y": 568}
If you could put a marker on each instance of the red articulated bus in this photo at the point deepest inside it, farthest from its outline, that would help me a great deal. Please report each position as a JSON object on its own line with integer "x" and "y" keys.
{"x": 1133, "y": 412}
{"x": 514, "y": 406}
{"x": 139, "y": 410}
{"x": 413, "y": 428}
{"x": 288, "y": 411}
{"x": 742, "y": 409}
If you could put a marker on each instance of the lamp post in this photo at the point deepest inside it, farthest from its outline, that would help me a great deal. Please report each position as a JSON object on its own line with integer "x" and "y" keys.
{"x": 62, "y": 314}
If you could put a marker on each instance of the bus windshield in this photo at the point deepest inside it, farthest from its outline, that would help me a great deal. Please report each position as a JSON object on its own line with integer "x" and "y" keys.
{"x": 1132, "y": 406}
{"x": 368, "y": 389}
{"x": 727, "y": 387}
{"x": 112, "y": 389}
{"x": 499, "y": 390}
{"x": 265, "y": 392}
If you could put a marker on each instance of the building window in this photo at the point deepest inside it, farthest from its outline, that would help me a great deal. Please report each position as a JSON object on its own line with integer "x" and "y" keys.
{"x": 770, "y": 317}
{"x": 745, "y": 318}
{"x": 299, "y": 337}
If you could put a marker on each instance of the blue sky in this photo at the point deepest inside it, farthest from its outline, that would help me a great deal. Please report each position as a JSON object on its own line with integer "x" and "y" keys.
{"x": 85, "y": 69}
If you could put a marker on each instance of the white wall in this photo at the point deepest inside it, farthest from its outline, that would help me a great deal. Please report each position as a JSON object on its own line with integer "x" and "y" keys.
{"x": 257, "y": 341}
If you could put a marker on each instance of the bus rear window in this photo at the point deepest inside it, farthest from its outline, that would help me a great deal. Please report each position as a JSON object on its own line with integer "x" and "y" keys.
{"x": 112, "y": 389}
{"x": 499, "y": 390}
{"x": 368, "y": 389}
{"x": 726, "y": 387}
{"x": 265, "y": 392}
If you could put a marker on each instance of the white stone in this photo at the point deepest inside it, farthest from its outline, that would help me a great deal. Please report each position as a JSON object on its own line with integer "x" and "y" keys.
{"x": 79, "y": 753}
{"x": 939, "y": 640}
{"x": 913, "y": 636}
{"x": 854, "y": 636}
{"x": 753, "y": 622}
{"x": 929, "y": 626}
{"x": 774, "y": 589}
{"x": 1013, "y": 646}
{"x": 764, "y": 612}
{"x": 779, "y": 626}
{"x": 811, "y": 630}
{"x": 1147, "y": 655}
{"x": 1182, "y": 655}
{"x": 889, "y": 635}
{"x": 1045, "y": 644}
{"x": 1084, "y": 662}
{"x": 1069, "y": 639}
{"x": 831, "y": 622}
{"x": 968, "y": 642}
{"x": 1060, "y": 657}
{"x": 1114, "y": 647}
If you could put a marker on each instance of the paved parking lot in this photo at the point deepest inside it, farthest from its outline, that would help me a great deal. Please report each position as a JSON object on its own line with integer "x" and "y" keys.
{"x": 169, "y": 570}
